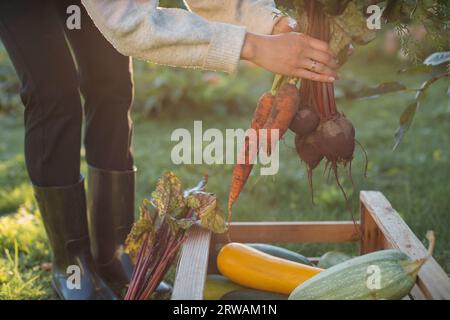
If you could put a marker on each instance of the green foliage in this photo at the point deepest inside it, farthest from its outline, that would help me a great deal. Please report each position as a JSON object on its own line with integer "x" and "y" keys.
{"x": 23, "y": 248}
{"x": 348, "y": 23}
{"x": 177, "y": 209}
{"x": 9, "y": 85}
{"x": 171, "y": 3}
{"x": 435, "y": 68}
{"x": 352, "y": 89}
{"x": 408, "y": 114}
{"x": 334, "y": 7}
{"x": 168, "y": 198}
{"x": 15, "y": 189}
{"x": 433, "y": 15}
{"x": 401, "y": 15}
{"x": 15, "y": 283}
{"x": 165, "y": 89}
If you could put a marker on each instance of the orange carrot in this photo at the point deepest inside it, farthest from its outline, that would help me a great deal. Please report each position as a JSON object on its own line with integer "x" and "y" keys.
{"x": 273, "y": 112}
{"x": 242, "y": 171}
{"x": 262, "y": 111}
{"x": 287, "y": 101}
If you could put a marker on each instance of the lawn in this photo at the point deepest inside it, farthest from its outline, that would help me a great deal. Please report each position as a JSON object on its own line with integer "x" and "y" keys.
{"x": 415, "y": 178}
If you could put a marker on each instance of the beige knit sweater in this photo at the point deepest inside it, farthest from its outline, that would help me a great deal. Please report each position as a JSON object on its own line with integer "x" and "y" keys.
{"x": 209, "y": 36}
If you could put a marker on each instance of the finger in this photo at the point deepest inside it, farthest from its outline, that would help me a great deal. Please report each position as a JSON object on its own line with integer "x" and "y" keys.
{"x": 318, "y": 44}
{"x": 317, "y": 67}
{"x": 306, "y": 74}
{"x": 321, "y": 57}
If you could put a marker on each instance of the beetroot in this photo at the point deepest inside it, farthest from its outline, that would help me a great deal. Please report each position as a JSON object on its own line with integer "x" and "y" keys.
{"x": 324, "y": 133}
{"x": 306, "y": 120}
{"x": 307, "y": 150}
{"x": 336, "y": 139}
{"x": 346, "y": 124}
{"x": 310, "y": 154}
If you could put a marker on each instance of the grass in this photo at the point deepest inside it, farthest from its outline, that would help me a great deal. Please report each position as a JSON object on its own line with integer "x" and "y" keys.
{"x": 415, "y": 178}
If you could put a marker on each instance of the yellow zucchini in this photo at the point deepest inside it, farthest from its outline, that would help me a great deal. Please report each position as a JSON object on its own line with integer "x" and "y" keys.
{"x": 257, "y": 270}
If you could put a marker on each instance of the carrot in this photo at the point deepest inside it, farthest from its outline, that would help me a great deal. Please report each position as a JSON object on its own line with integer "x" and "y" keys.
{"x": 262, "y": 111}
{"x": 276, "y": 113}
{"x": 242, "y": 171}
{"x": 286, "y": 105}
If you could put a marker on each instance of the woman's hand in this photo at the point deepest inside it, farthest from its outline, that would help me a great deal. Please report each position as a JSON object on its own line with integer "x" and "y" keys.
{"x": 291, "y": 54}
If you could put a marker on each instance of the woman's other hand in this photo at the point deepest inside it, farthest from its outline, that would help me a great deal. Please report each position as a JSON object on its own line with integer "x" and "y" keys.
{"x": 284, "y": 25}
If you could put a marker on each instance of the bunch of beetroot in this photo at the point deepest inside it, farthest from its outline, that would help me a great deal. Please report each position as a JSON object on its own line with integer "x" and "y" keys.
{"x": 322, "y": 132}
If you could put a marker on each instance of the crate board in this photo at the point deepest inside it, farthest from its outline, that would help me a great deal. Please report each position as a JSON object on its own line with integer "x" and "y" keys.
{"x": 381, "y": 227}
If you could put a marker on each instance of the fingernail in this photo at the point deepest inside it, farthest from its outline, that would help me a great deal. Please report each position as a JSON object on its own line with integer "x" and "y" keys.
{"x": 331, "y": 79}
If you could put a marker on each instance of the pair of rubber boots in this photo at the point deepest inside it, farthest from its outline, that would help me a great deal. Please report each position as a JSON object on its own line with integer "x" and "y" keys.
{"x": 87, "y": 236}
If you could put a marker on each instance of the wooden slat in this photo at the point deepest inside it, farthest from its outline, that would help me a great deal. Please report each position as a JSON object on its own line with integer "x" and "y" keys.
{"x": 192, "y": 266}
{"x": 371, "y": 234}
{"x": 212, "y": 265}
{"x": 432, "y": 280}
{"x": 270, "y": 232}
{"x": 415, "y": 293}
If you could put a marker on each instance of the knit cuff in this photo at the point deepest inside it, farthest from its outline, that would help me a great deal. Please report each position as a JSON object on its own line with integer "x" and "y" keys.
{"x": 224, "y": 52}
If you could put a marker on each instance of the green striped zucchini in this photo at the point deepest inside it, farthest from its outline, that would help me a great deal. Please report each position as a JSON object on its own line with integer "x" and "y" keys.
{"x": 383, "y": 275}
{"x": 355, "y": 279}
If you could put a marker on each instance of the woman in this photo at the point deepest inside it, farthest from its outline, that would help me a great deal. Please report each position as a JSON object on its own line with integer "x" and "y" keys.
{"x": 89, "y": 234}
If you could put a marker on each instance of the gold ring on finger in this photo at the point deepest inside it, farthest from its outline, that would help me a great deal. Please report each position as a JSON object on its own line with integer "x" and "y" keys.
{"x": 313, "y": 65}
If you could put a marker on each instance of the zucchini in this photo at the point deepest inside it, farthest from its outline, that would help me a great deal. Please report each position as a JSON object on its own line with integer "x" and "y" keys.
{"x": 332, "y": 258}
{"x": 216, "y": 286}
{"x": 280, "y": 252}
{"x": 356, "y": 279}
{"x": 258, "y": 270}
{"x": 249, "y": 294}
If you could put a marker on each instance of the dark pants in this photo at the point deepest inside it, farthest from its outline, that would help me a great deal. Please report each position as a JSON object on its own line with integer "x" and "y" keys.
{"x": 34, "y": 33}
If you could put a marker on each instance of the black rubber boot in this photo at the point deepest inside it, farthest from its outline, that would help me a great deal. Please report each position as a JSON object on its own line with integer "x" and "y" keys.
{"x": 74, "y": 275}
{"x": 110, "y": 200}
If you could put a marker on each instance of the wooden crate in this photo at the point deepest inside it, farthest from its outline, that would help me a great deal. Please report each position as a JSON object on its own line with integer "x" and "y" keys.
{"x": 381, "y": 228}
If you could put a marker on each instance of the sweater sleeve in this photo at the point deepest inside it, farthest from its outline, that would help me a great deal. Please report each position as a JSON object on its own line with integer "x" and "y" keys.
{"x": 257, "y": 15}
{"x": 174, "y": 37}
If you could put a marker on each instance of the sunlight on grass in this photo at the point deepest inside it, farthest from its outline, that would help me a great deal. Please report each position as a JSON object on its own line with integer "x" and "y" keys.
{"x": 11, "y": 199}
{"x": 24, "y": 247}
{"x": 16, "y": 284}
